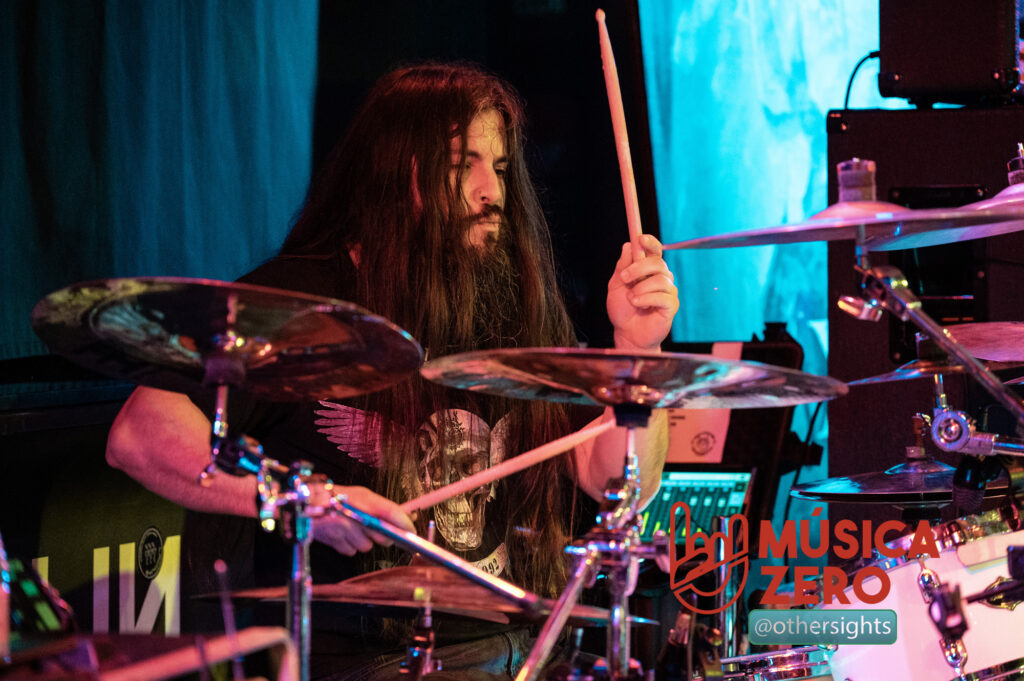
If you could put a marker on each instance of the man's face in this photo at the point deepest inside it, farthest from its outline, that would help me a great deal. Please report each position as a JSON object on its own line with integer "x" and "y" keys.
{"x": 482, "y": 177}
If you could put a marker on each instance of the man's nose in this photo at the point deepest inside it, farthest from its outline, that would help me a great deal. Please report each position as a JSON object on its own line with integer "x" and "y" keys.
{"x": 489, "y": 190}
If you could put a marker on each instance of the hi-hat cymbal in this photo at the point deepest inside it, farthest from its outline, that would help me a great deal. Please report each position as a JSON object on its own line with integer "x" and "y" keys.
{"x": 281, "y": 345}
{"x": 915, "y": 483}
{"x": 927, "y": 368}
{"x": 995, "y": 341}
{"x": 885, "y": 226}
{"x": 612, "y": 377}
{"x": 409, "y": 587}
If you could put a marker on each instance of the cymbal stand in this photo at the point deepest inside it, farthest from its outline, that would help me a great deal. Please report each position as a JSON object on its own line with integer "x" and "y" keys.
{"x": 613, "y": 546}
{"x": 419, "y": 658}
{"x": 283, "y": 493}
{"x": 886, "y": 288}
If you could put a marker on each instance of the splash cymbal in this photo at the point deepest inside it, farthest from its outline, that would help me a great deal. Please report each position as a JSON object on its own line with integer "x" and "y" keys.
{"x": 927, "y": 368}
{"x": 393, "y": 590}
{"x": 995, "y": 341}
{"x": 163, "y": 332}
{"x": 612, "y": 377}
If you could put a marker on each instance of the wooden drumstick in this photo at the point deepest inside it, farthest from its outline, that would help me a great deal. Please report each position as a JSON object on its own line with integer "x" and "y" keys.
{"x": 505, "y": 468}
{"x": 611, "y": 82}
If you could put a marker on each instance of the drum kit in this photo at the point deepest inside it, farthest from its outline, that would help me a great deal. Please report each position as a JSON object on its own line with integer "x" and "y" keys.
{"x": 180, "y": 334}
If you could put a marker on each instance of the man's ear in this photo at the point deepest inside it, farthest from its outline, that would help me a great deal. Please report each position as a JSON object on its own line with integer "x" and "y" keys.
{"x": 355, "y": 252}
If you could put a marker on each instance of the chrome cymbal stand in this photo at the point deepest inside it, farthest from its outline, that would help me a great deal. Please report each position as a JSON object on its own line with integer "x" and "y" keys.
{"x": 283, "y": 490}
{"x": 612, "y": 546}
{"x": 886, "y": 288}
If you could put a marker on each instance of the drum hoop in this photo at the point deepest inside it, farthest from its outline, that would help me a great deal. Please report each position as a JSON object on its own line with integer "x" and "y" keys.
{"x": 1007, "y": 671}
{"x": 948, "y": 536}
{"x": 777, "y": 664}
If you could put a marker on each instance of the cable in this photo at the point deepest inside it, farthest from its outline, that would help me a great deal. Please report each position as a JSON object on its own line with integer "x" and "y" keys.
{"x": 849, "y": 83}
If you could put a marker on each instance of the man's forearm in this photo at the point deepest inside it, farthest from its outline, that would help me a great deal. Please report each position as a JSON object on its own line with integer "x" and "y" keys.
{"x": 162, "y": 440}
{"x": 605, "y": 458}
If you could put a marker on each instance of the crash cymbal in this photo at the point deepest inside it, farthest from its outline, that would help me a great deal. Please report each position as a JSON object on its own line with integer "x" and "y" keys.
{"x": 914, "y": 483}
{"x": 407, "y": 587}
{"x": 282, "y": 346}
{"x": 883, "y": 226}
{"x": 996, "y": 341}
{"x": 611, "y": 377}
{"x": 927, "y": 368}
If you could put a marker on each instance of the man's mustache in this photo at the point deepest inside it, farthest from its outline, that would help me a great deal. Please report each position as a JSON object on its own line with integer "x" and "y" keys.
{"x": 488, "y": 213}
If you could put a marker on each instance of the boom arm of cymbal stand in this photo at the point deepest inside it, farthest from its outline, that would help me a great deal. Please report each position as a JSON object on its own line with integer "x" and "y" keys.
{"x": 583, "y": 575}
{"x": 887, "y": 286}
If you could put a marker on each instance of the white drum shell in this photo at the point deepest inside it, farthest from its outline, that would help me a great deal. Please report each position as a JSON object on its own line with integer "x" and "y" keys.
{"x": 994, "y": 635}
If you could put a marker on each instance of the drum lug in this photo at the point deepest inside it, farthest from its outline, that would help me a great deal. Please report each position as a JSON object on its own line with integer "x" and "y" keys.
{"x": 928, "y": 582}
{"x": 955, "y": 653}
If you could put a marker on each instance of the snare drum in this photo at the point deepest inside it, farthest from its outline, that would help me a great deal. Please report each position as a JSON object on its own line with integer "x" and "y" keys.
{"x": 808, "y": 662}
{"x": 972, "y": 555}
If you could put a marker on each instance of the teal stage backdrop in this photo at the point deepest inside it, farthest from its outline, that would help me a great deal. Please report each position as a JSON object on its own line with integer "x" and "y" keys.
{"x": 738, "y": 94}
{"x": 147, "y": 138}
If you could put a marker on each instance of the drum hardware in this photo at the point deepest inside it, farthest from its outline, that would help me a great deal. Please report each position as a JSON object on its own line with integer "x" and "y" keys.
{"x": 725, "y": 618}
{"x": 1005, "y": 593}
{"x": 1008, "y": 671}
{"x": 675, "y": 659}
{"x": 886, "y": 288}
{"x": 228, "y": 614}
{"x": 805, "y": 662}
{"x": 946, "y": 611}
{"x": 419, "y": 658}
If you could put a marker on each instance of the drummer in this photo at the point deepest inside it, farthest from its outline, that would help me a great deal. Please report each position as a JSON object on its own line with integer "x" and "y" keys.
{"x": 424, "y": 213}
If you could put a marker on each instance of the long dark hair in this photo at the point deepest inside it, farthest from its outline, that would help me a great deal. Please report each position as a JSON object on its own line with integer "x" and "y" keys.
{"x": 397, "y": 147}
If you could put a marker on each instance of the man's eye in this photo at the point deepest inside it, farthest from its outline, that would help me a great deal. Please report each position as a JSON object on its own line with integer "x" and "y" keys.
{"x": 500, "y": 172}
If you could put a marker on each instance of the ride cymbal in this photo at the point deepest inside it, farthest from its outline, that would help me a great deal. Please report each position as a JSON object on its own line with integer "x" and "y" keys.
{"x": 613, "y": 377}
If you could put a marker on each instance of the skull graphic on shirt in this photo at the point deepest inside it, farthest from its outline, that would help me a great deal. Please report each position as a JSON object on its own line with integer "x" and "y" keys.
{"x": 455, "y": 444}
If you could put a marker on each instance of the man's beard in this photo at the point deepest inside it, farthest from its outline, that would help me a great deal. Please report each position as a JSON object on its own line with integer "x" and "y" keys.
{"x": 491, "y": 283}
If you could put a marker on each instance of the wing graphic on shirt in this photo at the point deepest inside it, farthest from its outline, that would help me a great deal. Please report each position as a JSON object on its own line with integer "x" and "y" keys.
{"x": 356, "y": 432}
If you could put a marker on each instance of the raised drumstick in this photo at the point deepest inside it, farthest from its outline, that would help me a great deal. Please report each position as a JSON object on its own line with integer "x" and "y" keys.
{"x": 611, "y": 83}
{"x": 505, "y": 468}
